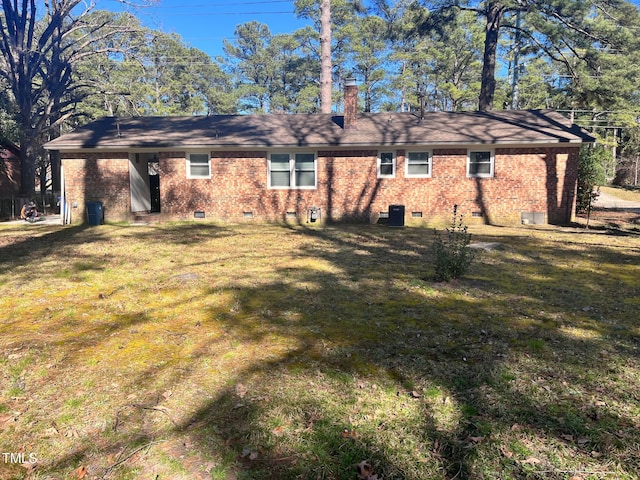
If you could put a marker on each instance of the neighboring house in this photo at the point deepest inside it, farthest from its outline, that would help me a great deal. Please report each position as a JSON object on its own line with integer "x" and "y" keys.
{"x": 503, "y": 167}
{"x": 10, "y": 203}
{"x": 9, "y": 169}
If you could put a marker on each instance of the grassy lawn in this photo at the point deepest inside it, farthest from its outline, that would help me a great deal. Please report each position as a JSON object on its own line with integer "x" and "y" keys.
{"x": 624, "y": 193}
{"x": 193, "y": 351}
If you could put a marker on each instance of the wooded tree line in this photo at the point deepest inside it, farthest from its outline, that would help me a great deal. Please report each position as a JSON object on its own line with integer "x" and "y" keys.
{"x": 64, "y": 63}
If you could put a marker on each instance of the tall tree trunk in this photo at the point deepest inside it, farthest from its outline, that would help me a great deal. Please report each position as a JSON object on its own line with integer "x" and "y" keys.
{"x": 515, "y": 88}
{"x": 494, "y": 13}
{"x": 54, "y": 161}
{"x": 325, "y": 56}
{"x": 27, "y": 166}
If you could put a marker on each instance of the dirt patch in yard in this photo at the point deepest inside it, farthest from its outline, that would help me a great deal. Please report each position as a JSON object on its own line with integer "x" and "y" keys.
{"x": 613, "y": 218}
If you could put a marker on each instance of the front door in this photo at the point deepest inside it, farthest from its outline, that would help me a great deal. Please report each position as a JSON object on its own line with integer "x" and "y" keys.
{"x": 144, "y": 182}
{"x": 154, "y": 186}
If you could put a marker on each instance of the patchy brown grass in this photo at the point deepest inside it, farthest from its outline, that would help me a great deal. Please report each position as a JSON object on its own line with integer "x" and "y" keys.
{"x": 631, "y": 194}
{"x": 258, "y": 352}
{"x": 612, "y": 220}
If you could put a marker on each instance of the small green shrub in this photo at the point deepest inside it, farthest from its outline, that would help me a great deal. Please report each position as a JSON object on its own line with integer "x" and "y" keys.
{"x": 452, "y": 255}
{"x": 590, "y": 176}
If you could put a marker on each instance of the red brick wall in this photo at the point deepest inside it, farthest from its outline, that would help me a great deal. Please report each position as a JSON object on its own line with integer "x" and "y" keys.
{"x": 525, "y": 180}
{"x": 100, "y": 177}
{"x": 350, "y": 106}
{"x": 9, "y": 173}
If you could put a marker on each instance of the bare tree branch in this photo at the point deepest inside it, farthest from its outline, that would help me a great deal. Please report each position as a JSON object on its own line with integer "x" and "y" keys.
{"x": 39, "y": 55}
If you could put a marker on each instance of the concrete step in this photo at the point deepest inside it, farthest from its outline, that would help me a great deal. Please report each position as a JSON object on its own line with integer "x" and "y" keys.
{"x": 142, "y": 218}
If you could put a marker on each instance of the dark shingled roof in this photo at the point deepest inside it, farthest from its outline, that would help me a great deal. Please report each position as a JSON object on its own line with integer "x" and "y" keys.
{"x": 9, "y": 147}
{"x": 324, "y": 130}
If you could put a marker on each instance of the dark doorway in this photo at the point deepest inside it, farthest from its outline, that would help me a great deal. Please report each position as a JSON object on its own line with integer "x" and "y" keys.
{"x": 154, "y": 186}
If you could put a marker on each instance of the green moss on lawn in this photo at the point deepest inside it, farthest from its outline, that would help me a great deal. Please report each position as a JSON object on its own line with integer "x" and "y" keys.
{"x": 281, "y": 352}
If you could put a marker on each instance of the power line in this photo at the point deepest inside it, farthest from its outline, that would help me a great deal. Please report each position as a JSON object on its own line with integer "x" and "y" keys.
{"x": 226, "y": 4}
{"x": 192, "y": 8}
{"x": 592, "y": 112}
{"x": 234, "y": 13}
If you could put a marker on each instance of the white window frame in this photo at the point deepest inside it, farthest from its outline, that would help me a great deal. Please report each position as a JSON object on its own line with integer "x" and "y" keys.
{"x": 379, "y": 164}
{"x": 418, "y": 175}
{"x": 292, "y": 171}
{"x": 492, "y": 161}
{"x": 189, "y": 175}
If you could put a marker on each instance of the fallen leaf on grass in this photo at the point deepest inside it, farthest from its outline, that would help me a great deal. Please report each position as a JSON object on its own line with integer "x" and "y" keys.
{"x": 532, "y": 461}
{"x": 471, "y": 439}
{"x": 346, "y": 433}
{"x": 51, "y": 432}
{"x": 278, "y": 431}
{"x": 437, "y": 446}
{"x": 161, "y": 408}
{"x": 364, "y": 470}
{"x": 241, "y": 390}
{"x": 506, "y": 452}
{"x": 80, "y": 472}
{"x": 250, "y": 453}
{"x": 30, "y": 467}
{"x": 6, "y": 420}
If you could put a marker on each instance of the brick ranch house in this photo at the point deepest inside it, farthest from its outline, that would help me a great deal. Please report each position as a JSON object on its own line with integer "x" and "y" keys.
{"x": 9, "y": 169}
{"x": 10, "y": 181}
{"x": 502, "y": 167}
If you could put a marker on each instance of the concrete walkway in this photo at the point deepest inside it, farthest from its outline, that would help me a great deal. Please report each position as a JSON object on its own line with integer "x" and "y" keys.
{"x": 48, "y": 220}
{"x": 606, "y": 200}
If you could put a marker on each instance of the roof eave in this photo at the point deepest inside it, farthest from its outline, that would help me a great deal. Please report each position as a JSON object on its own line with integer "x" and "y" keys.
{"x": 262, "y": 146}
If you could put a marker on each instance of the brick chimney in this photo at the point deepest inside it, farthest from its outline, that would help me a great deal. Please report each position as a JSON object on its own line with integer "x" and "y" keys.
{"x": 350, "y": 104}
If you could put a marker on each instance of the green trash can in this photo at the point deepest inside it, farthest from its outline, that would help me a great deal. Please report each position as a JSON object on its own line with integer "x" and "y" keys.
{"x": 95, "y": 213}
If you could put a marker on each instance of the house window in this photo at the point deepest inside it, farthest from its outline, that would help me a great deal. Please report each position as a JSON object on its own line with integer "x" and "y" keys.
{"x": 292, "y": 170}
{"x": 480, "y": 164}
{"x": 386, "y": 165}
{"x": 198, "y": 165}
{"x": 280, "y": 170}
{"x": 418, "y": 164}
